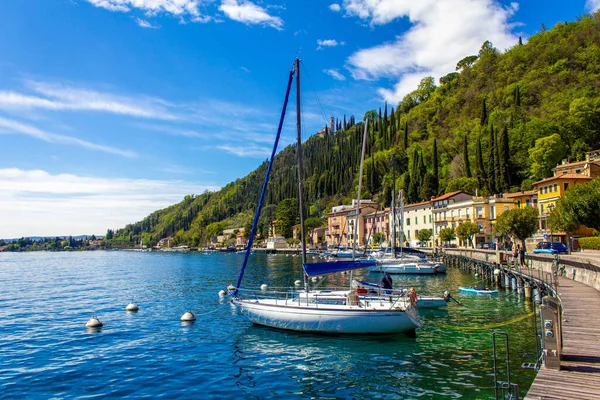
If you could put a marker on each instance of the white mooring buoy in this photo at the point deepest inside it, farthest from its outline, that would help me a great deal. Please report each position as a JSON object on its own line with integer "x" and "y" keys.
{"x": 94, "y": 323}
{"x": 497, "y": 272}
{"x": 263, "y": 287}
{"x": 188, "y": 317}
{"x": 298, "y": 282}
{"x": 476, "y": 274}
{"x": 132, "y": 307}
{"x": 222, "y": 293}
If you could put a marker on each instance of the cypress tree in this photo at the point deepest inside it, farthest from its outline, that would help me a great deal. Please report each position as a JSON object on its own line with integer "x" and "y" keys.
{"x": 384, "y": 125}
{"x": 406, "y": 135}
{"x": 491, "y": 174}
{"x": 415, "y": 181}
{"x": 435, "y": 183}
{"x": 406, "y": 179}
{"x": 497, "y": 164}
{"x": 504, "y": 159}
{"x": 345, "y": 126}
{"x": 484, "y": 116}
{"x": 427, "y": 189}
{"x": 466, "y": 157}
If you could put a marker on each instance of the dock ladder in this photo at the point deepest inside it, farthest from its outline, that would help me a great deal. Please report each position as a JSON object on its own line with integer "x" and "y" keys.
{"x": 503, "y": 389}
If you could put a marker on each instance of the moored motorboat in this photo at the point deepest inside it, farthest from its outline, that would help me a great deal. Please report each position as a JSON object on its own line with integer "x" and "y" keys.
{"x": 477, "y": 290}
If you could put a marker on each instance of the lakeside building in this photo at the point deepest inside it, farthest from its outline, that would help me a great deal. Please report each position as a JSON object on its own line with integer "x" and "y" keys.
{"x": 341, "y": 221}
{"x": 416, "y": 217}
{"x": 378, "y": 222}
{"x": 441, "y": 214}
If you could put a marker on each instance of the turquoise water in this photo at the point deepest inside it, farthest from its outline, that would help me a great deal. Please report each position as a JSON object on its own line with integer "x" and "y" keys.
{"x": 46, "y": 351}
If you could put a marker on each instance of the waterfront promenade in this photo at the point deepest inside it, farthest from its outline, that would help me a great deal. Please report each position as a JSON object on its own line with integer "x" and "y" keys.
{"x": 579, "y": 376}
{"x": 579, "y": 294}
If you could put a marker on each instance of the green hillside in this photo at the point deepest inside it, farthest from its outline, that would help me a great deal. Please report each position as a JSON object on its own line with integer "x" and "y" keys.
{"x": 514, "y": 114}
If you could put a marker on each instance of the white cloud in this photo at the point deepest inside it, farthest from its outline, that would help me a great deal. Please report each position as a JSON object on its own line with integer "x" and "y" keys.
{"x": 328, "y": 43}
{"x": 152, "y": 7}
{"x": 58, "y": 96}
{"x": 247, "y": 150}
{"x": 11, "y": 126}
{"x": 592, "y": 5}
{"x": 442, "y": 33}
{"x": 144, "y": 24}
{"x": 335, "y": 7}
{"x": 249, "y": 13}
{"x": 335, "y": 74}
{"x": 35, "y": 202}
{"x": 245, "y": 69}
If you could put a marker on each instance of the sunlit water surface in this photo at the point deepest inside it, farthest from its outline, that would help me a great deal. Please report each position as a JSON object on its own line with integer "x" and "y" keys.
{"x": 46, "y": 351}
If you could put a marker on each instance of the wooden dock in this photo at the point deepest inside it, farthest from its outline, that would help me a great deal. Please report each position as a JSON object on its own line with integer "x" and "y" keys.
{"x": 579, "y": 376}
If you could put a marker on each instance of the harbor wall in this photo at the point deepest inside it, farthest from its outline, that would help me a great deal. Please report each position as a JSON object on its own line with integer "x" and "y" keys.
{"x": 581, "y": 267}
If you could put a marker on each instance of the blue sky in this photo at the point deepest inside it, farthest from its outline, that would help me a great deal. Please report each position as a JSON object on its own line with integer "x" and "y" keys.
{"x": 110, "y": 109}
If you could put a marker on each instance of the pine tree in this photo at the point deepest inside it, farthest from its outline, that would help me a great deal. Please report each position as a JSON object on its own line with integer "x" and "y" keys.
{"x": 504, "y": 159}
{"x": 466, "y": 157}
{"x": 435, "y": 182}
{"x": 345, "y": 125}
{"x": 491, "y": 173}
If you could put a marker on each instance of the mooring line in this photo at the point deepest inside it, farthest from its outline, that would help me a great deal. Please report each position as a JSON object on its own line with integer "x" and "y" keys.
{"x": 480, "y": 328}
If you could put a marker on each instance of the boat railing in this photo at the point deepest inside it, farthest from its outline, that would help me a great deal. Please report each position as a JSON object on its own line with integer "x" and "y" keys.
{"x": 397, "y": 298}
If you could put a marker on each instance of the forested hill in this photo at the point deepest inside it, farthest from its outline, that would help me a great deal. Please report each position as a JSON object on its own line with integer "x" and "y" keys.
{"x": 514, "y": 115}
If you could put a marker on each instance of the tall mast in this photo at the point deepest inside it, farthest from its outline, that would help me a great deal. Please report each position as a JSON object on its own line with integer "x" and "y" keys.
{"x": 299, "y": 155}
{"x": 264, "y": 188}
{"x": 362, "y": 159}
{"x": 401, "y": 219}
{"x": 393, "y": 207}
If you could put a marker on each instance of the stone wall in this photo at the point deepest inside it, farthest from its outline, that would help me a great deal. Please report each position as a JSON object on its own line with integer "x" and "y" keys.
{"x": 584, "y": 269}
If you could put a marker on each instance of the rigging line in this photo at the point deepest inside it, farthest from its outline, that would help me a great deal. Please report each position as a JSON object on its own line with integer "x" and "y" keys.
{"x": 323, "y": 113}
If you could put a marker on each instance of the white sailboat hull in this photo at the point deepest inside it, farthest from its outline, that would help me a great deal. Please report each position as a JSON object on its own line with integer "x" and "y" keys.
{"x": 330, "y": 319}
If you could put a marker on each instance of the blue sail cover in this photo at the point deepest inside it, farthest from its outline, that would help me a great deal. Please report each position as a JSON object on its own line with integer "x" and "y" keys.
{"x": 329, "y": 267}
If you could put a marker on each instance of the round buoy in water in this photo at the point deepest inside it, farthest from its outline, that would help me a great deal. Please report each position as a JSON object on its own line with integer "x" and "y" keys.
{"x": 298, "y": 282}
{"x": 188, "y": 317}
{"x": 476, "y": 274}
{"x": 222, "y": 293}
{"x": 496, "y": 272}
{"x": 132, "y": 307}
{"x": 263, "y": 287}
{"x": 94, "y": 323}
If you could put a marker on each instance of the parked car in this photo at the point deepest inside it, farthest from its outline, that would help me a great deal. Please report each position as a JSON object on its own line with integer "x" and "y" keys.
{"x": 550, "y": 248}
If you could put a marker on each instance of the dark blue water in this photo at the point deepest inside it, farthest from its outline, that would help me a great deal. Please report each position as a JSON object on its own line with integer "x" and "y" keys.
{"x": 46, "y": 351}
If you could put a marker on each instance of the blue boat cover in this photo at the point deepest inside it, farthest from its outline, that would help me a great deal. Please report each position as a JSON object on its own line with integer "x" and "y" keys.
{"x": 328, "y": 267}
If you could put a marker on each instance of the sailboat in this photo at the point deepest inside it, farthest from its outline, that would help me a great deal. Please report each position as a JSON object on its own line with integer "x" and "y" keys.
{"x": 322, "y": 311}
{"x": 403, "y": 263}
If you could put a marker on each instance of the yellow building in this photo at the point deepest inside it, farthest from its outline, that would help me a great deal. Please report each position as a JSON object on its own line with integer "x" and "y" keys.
{"x": 590, "y": 167}
{"x": 524, "y": 198}
{"x": 551, "y": 189}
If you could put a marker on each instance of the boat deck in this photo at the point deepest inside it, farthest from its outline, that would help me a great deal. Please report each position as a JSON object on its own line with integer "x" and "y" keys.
{"x": 579, "y": 376}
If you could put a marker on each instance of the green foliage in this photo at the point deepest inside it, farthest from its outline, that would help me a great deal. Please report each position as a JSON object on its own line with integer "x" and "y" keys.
{"x": 580, "y": 206}
{"x": 447, "y": 235}
{"x": 467, "y": 185}
{"x": 548, "y": 86}
{"x": 378, "y": 238}
{"x": 589, "y": 243}
{"x": 466, "y": 231}
{"x": 546, "y": 154}
{"x": 520, "y": 223}
{"x": 287, "y": 216}
{"x": 424, "y": 235}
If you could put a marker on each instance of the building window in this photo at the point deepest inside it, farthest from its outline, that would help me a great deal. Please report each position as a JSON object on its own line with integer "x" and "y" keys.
{"x": 556, "y": 187}
{"x": 407, "y": 221}
{"x": 479, "y": 211}
{"x": 542, "y": 208}
{"x": 566, "y": 186}
{"x": 429, "y": 218}
{"x": 416, "y": 220}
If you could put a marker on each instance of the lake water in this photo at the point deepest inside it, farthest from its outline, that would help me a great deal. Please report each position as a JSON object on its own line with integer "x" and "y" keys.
{"x": 46, "y": 351}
